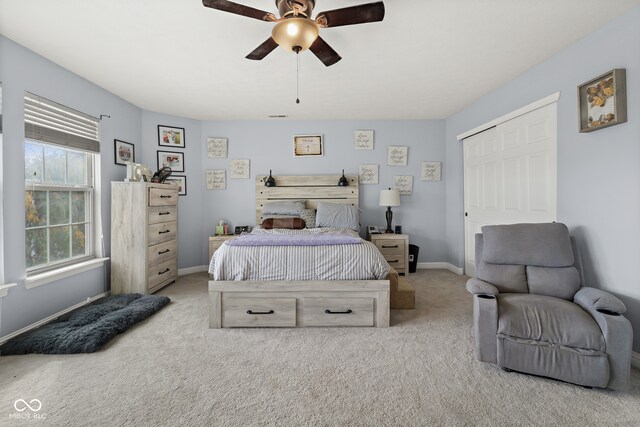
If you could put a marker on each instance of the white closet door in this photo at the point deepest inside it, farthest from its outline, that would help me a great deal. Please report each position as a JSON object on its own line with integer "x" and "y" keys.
{"x": 510, "y": 175}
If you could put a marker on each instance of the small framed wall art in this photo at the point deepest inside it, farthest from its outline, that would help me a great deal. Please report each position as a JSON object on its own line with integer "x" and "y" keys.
{"x": 181, "y": 181}
{"x": 368, "y": 174}
{"x": 123, "y": 152}
{"x": 239, "y": 169}
{"x": 216, "y": 179}
{"x": 171, "y": 159}
{"x": 602, "y": 102}
{"x": 404, "y": 184}
{"x": 307, "y": 145}
{"x": 431, "y": 171}
{"x": 363, "y": 139}
{"x": 169, "y": 136}
{"x": 217, "y": 147}
{"x": 397, "y": 156}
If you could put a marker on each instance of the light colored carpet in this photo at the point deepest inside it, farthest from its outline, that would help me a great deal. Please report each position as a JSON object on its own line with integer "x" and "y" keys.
{"x": 172, "y": 370}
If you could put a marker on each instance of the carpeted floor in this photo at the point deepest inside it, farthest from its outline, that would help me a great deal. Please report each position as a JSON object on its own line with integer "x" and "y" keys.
{"x": 172, "y": 370}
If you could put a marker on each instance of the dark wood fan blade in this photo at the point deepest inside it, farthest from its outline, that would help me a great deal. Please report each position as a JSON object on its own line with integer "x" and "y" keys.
{"x": 238, "y": 9}
{"x": 263, "y": 50}
{"x": 371, "y": 12}
{"x": 324, "y": 52}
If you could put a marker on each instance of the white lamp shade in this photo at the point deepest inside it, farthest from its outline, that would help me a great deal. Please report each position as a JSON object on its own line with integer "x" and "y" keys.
{"x": 390, "y": 197}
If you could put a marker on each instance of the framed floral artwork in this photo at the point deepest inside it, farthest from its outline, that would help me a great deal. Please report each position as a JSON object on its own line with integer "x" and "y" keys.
{"x": 169, "y": 136}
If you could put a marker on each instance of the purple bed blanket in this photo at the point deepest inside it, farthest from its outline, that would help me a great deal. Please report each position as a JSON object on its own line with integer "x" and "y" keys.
{"x": 293, "y": 240}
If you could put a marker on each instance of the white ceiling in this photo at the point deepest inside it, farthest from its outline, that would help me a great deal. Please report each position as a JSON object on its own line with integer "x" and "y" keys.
{"x": 427, "y": 60}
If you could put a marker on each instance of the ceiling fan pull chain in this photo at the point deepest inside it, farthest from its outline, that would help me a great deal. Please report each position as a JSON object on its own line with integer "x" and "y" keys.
{"x": 298, "y": 77}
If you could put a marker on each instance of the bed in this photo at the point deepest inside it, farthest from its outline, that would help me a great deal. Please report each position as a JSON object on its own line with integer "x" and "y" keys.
{"x": 329, "y": 280}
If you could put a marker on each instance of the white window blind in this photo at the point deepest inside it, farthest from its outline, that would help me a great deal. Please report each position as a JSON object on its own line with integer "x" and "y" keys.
{"x": 48, "y": 121}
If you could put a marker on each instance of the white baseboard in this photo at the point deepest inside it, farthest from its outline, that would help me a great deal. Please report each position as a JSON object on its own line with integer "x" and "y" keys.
{"x": 635, "y": 360}
{"x": 440, "y": 265}
{"x": 191, "y": 270}
{"x": 52, "y": 317}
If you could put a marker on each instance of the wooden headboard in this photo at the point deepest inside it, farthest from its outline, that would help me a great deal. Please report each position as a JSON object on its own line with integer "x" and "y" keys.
{"x": 312, "y": 188}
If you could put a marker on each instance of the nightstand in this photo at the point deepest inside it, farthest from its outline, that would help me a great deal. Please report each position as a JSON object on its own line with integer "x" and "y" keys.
{"x": 216, "y": 241}
{"x": 394, "y": 248}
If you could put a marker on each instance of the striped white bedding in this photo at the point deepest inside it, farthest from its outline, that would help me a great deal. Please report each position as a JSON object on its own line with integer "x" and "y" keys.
{"x": 299, "y": 263}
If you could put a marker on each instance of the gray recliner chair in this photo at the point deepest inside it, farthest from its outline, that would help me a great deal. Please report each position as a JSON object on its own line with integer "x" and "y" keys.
{"x": 532, "y": 315}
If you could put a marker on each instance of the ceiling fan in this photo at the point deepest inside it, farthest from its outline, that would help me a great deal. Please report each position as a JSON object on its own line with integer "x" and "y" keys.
{"x": 296, "y": 31}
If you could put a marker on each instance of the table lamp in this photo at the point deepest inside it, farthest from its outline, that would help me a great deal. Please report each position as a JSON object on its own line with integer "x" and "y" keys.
{"x": 389, "y": 198}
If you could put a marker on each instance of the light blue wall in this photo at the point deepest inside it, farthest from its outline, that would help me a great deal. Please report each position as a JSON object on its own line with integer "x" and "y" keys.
{"x": 598, "y": 172}
{"x": 269, "y": 145}
{"x": 22, "y": 70}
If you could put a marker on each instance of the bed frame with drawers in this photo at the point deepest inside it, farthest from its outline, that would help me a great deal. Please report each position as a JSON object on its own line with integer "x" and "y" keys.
{"x": 304, "y": 303}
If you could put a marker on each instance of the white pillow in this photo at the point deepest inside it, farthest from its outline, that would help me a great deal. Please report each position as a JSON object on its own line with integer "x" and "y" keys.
{"x": 337, "y": 215}
{"x": 283, "y": 207}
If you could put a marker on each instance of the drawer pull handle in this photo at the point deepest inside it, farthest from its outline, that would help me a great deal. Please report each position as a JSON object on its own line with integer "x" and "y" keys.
{"x": 260, "y": 312}
{"x": 394, "y": 261}
{"x": 386, "y": 247}
{"x": 164, "y": 213}
{"x": 163, "y": 232}
{"x": 162, "y": 196}
{"x": 166, "y": 271}
{"x": 349, "y": 311}
{"x": 164, "y": 252}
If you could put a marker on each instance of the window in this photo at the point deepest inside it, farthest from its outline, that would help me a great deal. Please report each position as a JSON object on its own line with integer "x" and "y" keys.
{"x": 59, "y": 185}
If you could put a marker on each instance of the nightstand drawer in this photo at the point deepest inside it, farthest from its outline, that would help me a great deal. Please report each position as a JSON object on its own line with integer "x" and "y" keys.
{"x": 389, "y": 245}
{"x": 396, "y": 262}
{"x": 161, "y": 252}
{"x": 159, "y": 214}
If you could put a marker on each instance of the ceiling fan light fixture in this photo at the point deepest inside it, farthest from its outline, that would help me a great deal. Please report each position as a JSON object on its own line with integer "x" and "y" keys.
{"x": 294, "y": 32}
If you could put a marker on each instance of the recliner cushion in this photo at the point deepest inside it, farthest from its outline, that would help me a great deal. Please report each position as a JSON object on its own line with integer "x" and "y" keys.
{"x": 547, "y": 319}
{"x": 561, "y": 282}
{"x": 507, "y": 278}
{"x": 545, "y": 245}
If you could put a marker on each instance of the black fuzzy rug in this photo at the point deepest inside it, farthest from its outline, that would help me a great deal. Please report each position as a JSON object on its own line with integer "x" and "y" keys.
{"x": 88, "y": 328}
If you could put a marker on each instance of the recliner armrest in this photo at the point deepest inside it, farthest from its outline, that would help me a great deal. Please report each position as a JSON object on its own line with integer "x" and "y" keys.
{"x": 592, "y": 298}
{"x": 480, "y": 287}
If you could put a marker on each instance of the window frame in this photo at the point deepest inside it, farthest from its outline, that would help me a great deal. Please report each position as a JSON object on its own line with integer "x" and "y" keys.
{"x": 88, "y": 189}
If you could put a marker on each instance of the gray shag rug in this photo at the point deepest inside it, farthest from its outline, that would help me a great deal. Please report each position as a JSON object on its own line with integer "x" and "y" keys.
{"x": 88, "y": 328}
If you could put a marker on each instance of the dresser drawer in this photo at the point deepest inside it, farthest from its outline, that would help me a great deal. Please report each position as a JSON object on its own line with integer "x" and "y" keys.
{"x": 162, "y": 232}
{"x": 162, "y": 214}
{"x": 337, "y": 311}
{"x": 258, "y": 312}
{"x": 161, "y": 252}
{"x": 163, "y": 196}
{"x": 390, "y": 246}
{"x": 162, "y": 272}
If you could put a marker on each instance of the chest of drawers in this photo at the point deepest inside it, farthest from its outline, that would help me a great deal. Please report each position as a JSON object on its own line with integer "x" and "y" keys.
{"x": 144, "y": 236}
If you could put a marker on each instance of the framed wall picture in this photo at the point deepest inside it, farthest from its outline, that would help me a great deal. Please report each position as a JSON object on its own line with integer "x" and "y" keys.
{"x": 363, "y": 139}
{"x": 169, "y": 136}
{"x": 123, "y": 152}
{"x": 397, "y": 156}
{"x": 307, "y": 145}
{"x": 172, "y": 159}
{"x": 368, "y": 174}
{"x": 181, "y": 181}
{"x": 404, "y": 184}
{"x": 216, "y": 179}
{"x": 217, "y": 147}
{"x": 602, "y": 101}
{"x": 239, "y": 169}
{"x": 431, "y": 171}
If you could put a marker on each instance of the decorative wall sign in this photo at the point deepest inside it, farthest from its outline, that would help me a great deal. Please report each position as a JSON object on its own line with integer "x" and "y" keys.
{"x": 171, "y": 159}
{"x": 404, "y": 184}
{"x": 431, "y": 171}
{"x": 397, "y": 156}
{"x": 368, "y": 174}
{"x": 181, "y": 181}
{"x": 169, "y": 136}
{"x": 217, "y": 147}
{"x": 603, "y": 101}
{"x": 239, "y": 169}
{"x": 307, "y": 145}
{"x": 363, "y": 139}
{"x": 216, "y": 179}
{"x": 123, "y": 152}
